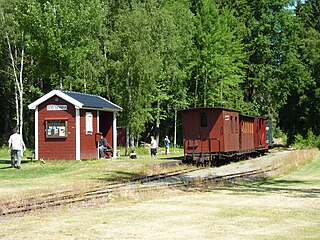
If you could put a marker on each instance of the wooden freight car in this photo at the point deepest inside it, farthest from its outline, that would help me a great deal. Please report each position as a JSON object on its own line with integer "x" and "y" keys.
{"x": 213, "y": 135}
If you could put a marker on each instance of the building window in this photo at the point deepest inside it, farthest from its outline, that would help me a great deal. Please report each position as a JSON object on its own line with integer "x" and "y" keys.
{"x": 203, "y": 119}
{"x": 89, "y": 123}
{"x": 56, "y": 128}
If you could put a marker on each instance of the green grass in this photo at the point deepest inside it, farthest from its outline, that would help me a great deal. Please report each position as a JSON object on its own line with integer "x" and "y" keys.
{"x": 5, "y": 154}
{"x": 36, "y": 176}
{"x": 273, "y": 209}
{"x": 304, "y": 178}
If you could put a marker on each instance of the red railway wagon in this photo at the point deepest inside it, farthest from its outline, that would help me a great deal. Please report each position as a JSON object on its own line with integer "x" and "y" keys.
{"x": 260, "y": 134}
{"x": 209, "y": 134}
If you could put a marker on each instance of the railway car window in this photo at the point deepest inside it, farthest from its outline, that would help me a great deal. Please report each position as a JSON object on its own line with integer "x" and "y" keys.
{"x": 203, "y": 120}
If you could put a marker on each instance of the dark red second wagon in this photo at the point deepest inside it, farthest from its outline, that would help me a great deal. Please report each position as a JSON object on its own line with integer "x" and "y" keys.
{"x": 260, "y": 134}
{"x": 68, "y": 125}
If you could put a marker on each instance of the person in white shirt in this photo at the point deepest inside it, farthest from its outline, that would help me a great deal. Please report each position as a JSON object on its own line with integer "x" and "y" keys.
{"x": 153, "y": 147}
{"x": 17, "y": 146}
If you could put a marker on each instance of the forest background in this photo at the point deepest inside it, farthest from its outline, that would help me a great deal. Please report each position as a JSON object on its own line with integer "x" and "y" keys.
{"x": 156, "y": 57}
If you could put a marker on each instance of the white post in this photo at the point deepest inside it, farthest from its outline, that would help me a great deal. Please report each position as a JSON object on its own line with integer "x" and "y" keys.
{"x": 98, "y": 130}
{"x": 114, "y": 135}
{"x": 36, "y": 134}
{"x": 78, "y": 134}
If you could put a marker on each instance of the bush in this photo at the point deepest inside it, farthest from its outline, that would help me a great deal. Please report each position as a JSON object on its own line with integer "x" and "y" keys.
{"x": 279, "y": 134}
{"x": 309, "y": 142}
{"x": 318, "y": 142}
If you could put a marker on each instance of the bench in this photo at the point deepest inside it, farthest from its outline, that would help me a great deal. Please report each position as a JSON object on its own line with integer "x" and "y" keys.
{"x": 108, "y": 153}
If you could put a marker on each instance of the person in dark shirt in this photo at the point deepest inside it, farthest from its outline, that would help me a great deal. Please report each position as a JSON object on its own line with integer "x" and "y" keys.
{"x": 103, "y": 145}
{"x": 166, "y": 145}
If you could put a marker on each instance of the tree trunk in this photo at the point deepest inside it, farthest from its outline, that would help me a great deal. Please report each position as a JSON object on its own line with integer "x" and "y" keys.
{"x": 175, "y": 129}
{"x": 17, "y": 105}
{"x": 21, "y": 83}
{"x": 127, "y": 141}
{"x": 158, "y": 122}
{"x": 18, "y": 81}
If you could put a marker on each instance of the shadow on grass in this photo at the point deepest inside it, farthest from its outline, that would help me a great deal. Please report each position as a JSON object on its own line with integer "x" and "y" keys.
{"x": 265, "y": 187}
{"x": 168, "y": 157}
{"x": 8, "y": 163}
{"x": 118, "y": 176}
{"x": 5, "y": 162}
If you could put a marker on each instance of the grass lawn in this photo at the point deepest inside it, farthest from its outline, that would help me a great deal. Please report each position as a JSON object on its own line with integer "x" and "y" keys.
{"x": 37, "y": 177}
{"x": 283, "y": 208}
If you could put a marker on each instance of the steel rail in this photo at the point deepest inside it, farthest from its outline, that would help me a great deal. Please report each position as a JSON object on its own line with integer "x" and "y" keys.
{"x": 53, "y": 199}
{"x": 145, "y": 184}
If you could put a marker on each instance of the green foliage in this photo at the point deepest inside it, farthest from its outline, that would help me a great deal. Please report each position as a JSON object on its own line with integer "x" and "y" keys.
{"x": 63, "y": 40}
{"x": 146, "y": 59}
{"x": 303, "y": 105}
{"x": 278, "y": 133}
{"x": 139, "y": 150}
{"x": 310, "y": 141}
{"x": 218, "y": 61}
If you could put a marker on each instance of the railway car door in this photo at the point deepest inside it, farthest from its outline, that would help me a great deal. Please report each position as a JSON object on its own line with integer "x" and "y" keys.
{"x": 204, "y": 131}
{"x": 209, "y": 130}
{"x": 231, "y": 131}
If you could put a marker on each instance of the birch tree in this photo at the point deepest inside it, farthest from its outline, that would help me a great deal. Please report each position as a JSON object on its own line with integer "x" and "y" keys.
{"x": 16, "y": 50}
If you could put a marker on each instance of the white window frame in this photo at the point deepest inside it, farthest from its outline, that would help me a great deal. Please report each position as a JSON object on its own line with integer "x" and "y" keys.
{"x": 89, "y": 123}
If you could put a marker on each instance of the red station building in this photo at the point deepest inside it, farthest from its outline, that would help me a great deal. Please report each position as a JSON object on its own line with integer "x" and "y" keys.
{"x": 68, "y": 125}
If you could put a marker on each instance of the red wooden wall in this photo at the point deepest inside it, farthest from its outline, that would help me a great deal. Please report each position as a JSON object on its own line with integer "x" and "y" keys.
{"x": 88, "y": 145}
{"x": 260, "y": 132}
{"x": 221, "y": 123}
{"x": 230, "y": 123}
{"x": 246, "y": 133}
{"x": 56, "y": 148}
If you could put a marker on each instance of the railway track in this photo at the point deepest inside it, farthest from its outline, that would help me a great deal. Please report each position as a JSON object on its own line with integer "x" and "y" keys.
{"x": 171, "y": 179}
{"x": 71, "y": 196}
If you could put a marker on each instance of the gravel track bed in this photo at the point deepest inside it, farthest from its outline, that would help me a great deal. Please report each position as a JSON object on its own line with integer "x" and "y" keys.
{"x": 232, "y": 168}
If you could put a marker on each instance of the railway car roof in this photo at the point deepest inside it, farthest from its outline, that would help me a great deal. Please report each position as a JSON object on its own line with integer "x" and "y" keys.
{"x": 210, "y": 108}
{"x": 225, "y": 109}
{"x": 253, "y": 116}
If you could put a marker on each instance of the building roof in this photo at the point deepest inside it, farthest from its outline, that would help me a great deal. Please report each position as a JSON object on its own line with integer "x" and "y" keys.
{"x": 79, "y": 100}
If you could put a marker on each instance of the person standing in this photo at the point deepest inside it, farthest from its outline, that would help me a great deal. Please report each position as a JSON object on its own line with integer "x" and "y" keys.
{"x": 17, "y": 146}
{"x": 153, "y": 147}
{"x": 166, "y": 145}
